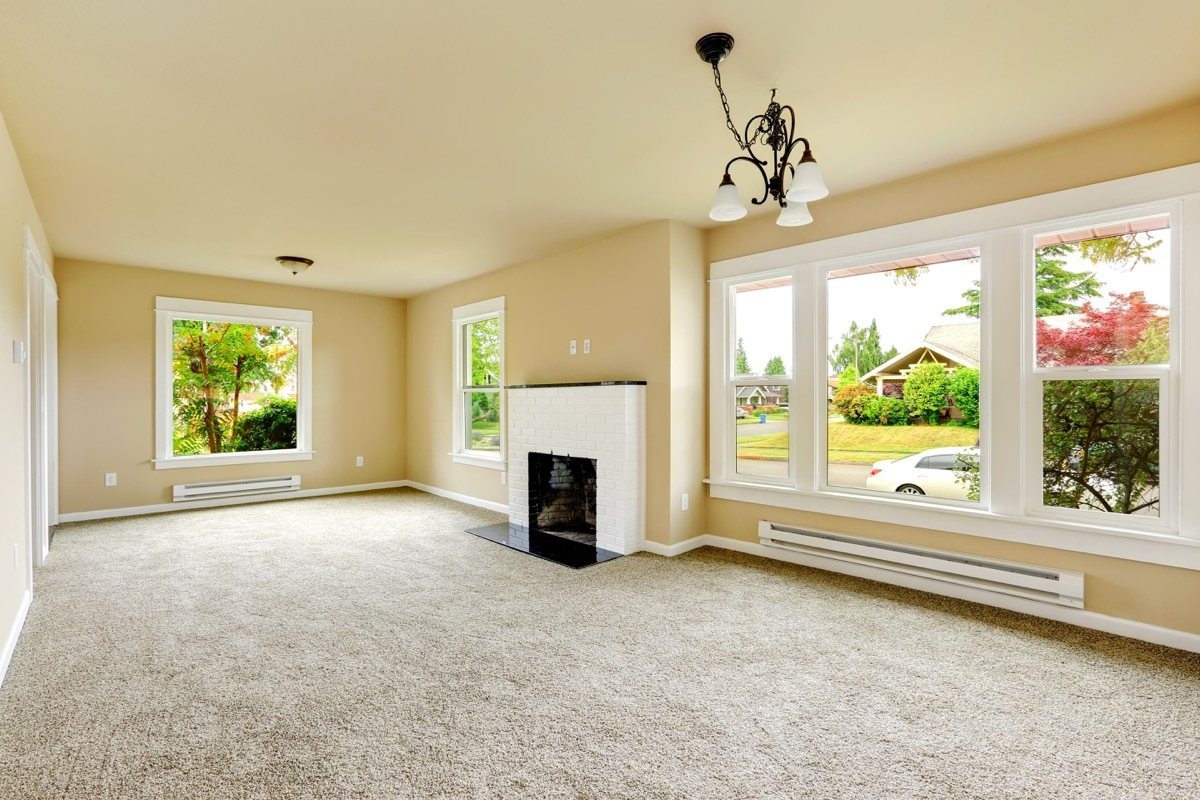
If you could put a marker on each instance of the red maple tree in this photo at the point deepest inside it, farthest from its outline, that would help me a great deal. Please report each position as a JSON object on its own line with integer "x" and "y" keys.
{"x": 1111, "y": 335}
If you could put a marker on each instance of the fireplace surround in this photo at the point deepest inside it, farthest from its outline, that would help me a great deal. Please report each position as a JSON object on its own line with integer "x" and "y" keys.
{"x": 604, "y": 423}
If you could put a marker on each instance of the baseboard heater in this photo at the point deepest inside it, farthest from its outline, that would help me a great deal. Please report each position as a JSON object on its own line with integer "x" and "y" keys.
{"x": 217, "y": 489}
{"x": 1003, "y": 577}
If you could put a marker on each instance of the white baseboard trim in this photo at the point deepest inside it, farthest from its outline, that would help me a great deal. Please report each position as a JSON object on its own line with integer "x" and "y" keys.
{"x": 461, "y": 498}
{"x": 161, "y": 508}
{"x": 10, "y": 642}
{"x": 1180, "y": 640}
{"x": 671, "y": 550}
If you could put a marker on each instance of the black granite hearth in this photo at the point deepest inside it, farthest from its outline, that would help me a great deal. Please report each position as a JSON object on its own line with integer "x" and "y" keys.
{"x": 575, "y": 555}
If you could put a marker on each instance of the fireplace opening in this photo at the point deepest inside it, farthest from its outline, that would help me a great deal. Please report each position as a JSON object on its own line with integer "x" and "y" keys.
{"x": 562, "y": 496}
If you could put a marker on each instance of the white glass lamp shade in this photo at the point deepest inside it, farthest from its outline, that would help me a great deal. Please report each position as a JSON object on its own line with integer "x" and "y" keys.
{"x": 728, "y": 206}
{"x": 807, "y": 183}
{"x": 793, "y": 214}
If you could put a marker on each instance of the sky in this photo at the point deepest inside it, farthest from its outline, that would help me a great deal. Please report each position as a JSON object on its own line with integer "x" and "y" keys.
{"x": 904, "y": 314}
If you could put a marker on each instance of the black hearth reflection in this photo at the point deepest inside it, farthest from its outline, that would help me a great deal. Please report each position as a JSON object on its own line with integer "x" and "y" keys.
{"x": 562, "y": 496}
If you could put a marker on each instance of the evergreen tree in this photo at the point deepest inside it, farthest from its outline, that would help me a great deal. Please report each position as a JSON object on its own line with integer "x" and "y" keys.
{"x": 860, "y": 348}
{"x": 1059, "y": 290}
{"x": 775, "y": 367}
{"x": 741, "y": 364}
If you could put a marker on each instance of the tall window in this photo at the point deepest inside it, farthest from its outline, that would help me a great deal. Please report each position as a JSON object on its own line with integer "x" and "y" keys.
{"x": 762, "y": 381}
{"x": 1102, "y": 358}
{"x": 904, "y": 365}
{"x": 479, "y": 382}
{"x": 233, "y": 383}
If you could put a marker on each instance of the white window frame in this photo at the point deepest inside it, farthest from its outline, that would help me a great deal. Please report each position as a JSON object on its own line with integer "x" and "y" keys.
{"x": 1167, "y": 376}
{"x": 169, "y": 309}
{"x": 460, "y": 453}
{"x": 1004, "y": 513}
{"x": 734, "y": 381}
{"x": 821, "y": 430}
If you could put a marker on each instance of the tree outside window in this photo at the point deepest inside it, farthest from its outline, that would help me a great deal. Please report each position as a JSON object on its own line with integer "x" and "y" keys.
{"x": 234, "y": 387}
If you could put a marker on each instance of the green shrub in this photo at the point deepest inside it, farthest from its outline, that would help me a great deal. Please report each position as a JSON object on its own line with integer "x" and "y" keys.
{"x": 271, "y": 426}
{"x": 925, "y": 392}
{"x": 892, "y": 412}
{"x": 964, "y": 388}
{"x": 853, "y": 402}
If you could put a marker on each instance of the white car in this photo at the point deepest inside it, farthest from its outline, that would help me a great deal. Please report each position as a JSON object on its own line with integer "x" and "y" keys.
{"x": 938, "y": 473}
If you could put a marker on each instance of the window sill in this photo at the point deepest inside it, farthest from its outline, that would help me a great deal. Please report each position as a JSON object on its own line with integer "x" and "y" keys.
{"x": 491, "y": 462}
{"x": 225, "y": 459}
{"x": 1170, "y": 550}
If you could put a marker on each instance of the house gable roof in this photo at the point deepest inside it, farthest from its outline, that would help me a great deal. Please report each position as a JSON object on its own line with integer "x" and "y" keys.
{"x": 957, "y": 344}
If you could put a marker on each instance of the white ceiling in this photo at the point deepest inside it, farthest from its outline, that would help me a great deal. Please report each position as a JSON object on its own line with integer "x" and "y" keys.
{"x": 408, "y": 145}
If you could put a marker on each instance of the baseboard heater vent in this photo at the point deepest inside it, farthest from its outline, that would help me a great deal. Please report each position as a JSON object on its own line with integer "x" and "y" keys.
{"x": 871, "y": 556}
{"x": 216, "y": 489}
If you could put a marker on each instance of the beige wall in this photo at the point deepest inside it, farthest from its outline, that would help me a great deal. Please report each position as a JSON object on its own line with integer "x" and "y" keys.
{"x": 106, "y": 357}
{"x": 689, "y": 382}
{"x": 1142, "y": 592}
{"x": 16, "y": 209}
{"x": 616, "y": 292}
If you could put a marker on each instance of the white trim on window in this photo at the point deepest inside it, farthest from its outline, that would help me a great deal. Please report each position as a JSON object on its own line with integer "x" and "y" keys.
{"x": 169, "y": 309}
{"x": 1004, "y": 233}
{"x": 1167, "y": 375}
{"x": 460, "y": 453}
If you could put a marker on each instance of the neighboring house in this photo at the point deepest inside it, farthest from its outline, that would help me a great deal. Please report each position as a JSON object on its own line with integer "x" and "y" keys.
{"x": 949, "y": 345}
{"x": 759, "y": 396}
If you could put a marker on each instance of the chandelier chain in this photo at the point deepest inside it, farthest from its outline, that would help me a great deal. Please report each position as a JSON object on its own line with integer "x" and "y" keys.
{"x": 725, "y": 103}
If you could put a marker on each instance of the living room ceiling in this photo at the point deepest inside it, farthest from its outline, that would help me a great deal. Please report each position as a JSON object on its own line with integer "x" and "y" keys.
{"x": 405, "y": 146}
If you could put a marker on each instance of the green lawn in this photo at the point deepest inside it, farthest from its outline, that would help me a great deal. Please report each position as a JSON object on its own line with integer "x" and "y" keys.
{"x": 865, "y": 444}
{"x": 485, "y": 435}
{"x": 862, "y": 444}
{"x": 764, "y": 447}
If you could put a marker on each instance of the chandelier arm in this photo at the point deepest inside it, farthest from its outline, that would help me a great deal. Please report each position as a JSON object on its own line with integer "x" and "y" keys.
{"x": 761, "y": 171}
{"x": 792, "y": 146}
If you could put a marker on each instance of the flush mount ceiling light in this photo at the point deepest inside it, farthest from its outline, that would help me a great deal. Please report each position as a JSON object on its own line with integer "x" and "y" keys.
{"x": 775, "y": 128}
{"x": 294, "y": 264}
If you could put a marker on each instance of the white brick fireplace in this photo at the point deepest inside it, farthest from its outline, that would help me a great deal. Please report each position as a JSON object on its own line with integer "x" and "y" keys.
{"x": 601, "y": 421}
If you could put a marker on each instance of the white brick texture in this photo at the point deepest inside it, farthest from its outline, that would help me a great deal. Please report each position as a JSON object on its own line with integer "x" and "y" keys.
{"x": 607, "y": 423}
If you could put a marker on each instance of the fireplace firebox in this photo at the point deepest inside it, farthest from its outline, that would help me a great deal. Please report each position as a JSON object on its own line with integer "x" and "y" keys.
{"x": 562, "y": 496}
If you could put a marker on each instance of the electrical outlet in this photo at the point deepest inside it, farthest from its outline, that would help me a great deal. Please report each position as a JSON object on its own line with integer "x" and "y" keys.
{"x": 587, "y": 346}
{"x": 16, "y": 559}
{"x": 503, "y": 477}
{"x": 110, "y": 479}
{"x": 683, "y": 504}
{"x": 358, "y": 462}
{"x": 572, "y": 347}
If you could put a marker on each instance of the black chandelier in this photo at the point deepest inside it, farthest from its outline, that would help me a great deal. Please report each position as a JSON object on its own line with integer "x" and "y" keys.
{"x": 774, "y": 128}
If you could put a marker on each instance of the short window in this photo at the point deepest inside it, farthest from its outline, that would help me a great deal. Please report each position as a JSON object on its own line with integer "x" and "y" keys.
{"x": 233, "y": 383}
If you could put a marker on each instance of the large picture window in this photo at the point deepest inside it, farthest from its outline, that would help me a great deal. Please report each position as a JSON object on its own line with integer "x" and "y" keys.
{"x": 233, "y": 383}
{"x": 904, "y": 359}
{"x": 479, "y": 383}
{"x": 1016, "y": 372}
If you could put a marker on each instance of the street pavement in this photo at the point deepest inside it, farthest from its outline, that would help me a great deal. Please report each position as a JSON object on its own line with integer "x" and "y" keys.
{"x": 849, "y": 476}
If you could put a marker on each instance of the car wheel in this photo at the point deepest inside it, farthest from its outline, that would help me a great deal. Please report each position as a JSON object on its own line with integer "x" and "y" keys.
{"x": 908, "y": 488}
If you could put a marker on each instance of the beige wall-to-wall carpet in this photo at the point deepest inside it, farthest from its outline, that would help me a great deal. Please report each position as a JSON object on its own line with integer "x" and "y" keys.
{"x": 365, "y": 646}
